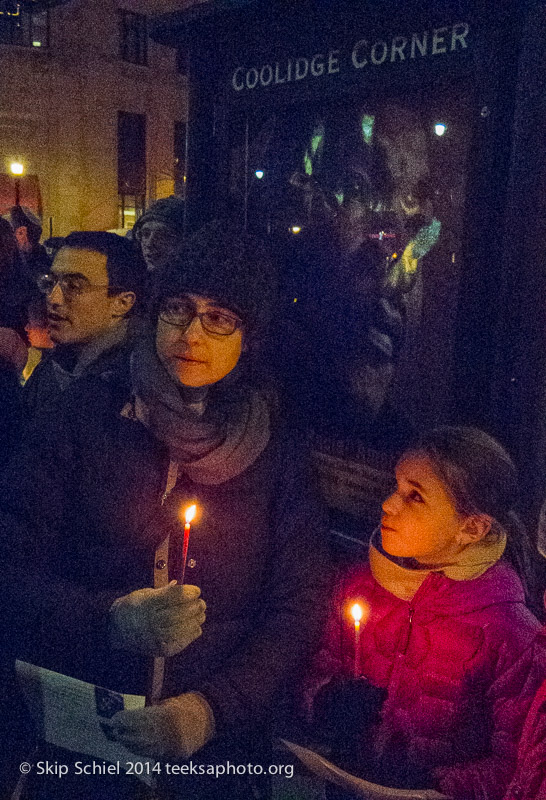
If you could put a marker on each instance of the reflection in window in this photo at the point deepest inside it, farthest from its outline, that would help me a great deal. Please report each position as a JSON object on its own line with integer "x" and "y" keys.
{"x": 133, "y": 37}
{"x": 375, "y": 189}
{"x": 23, "y": 28}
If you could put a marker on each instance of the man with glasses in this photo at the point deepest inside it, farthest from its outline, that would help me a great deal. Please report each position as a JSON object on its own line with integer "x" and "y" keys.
{"x": 91, "y": 290}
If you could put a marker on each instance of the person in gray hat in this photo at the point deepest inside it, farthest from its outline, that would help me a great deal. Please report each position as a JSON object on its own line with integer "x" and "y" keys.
{"x": 159, "y": 232}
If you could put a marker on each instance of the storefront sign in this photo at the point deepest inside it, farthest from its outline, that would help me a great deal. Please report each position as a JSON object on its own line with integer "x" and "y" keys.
{"x": 367, "y": 53}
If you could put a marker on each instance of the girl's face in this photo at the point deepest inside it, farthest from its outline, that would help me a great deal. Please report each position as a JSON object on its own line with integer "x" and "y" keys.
{"x": 419, "y": 519}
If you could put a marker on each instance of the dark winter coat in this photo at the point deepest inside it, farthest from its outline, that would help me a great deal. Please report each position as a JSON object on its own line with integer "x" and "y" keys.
{"x": 80, "y": 520}
{"x": 529, "y": 782}
{"x": 53, "y": 374}
{"x": 450, "y": 660}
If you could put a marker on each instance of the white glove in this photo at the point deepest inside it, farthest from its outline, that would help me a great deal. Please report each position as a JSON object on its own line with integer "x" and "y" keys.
{"x": 175, "y": 729}
{"x": 157, "y": 622}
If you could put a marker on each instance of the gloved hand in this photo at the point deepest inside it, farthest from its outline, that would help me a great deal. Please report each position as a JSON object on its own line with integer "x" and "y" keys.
{"x": 175, "y": 729}
{"x": 158, "y": 622}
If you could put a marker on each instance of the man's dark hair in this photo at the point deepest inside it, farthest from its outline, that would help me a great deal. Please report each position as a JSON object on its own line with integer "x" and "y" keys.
{"x": 124, "y": 264}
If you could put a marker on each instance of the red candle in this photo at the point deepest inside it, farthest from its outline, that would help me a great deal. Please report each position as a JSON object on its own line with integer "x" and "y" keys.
{"x": 189, "y": 514}
{"x": 356, "y": 612}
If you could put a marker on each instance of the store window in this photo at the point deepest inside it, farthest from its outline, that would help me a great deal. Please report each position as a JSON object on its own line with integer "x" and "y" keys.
{"x": 22, "y": 27}
{"x": 133, "y": 37}
{"x": 131, "y": 167}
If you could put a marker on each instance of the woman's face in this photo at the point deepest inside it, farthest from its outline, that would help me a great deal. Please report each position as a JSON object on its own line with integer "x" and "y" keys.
{"x": 194, "y": 356}
{"x": 419, "y": 519}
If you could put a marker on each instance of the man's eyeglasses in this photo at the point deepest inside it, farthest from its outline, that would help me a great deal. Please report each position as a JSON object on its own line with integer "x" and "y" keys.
{"x": 180, "y": 314}
{"x": 71, "y": 285}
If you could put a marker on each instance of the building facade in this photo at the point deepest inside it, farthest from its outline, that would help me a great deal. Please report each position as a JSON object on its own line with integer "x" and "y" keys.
{"x": 92, "y": 108}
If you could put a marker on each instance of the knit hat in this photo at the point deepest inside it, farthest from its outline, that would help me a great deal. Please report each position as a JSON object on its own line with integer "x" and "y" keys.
{"x": 20, "y": 216}
{"x": 231, "y": 266}
{"x": 169, "y": 211}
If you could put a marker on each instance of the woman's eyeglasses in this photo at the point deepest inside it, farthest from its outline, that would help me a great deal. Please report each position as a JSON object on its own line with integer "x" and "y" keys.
{"x": 182, "y": 314}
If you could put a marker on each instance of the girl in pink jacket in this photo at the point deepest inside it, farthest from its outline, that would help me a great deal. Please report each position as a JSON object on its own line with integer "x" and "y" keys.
{"x": 445, "y": 625}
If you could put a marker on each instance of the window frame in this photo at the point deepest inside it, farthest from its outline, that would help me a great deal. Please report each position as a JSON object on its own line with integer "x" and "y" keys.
{"x": 133, "y": 37}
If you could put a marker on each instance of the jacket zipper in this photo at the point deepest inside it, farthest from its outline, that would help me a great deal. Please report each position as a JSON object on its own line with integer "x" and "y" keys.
{"x": 395, "y": 679}
{"x": 403, "y": 649}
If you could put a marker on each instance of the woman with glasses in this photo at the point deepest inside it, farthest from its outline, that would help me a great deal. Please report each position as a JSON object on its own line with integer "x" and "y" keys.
{"x": 105, "y": 483}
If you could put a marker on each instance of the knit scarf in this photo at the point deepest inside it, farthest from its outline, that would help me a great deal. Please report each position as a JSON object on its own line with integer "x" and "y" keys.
{"x": 213, "y": 433}
{"x": 402, "y": 577}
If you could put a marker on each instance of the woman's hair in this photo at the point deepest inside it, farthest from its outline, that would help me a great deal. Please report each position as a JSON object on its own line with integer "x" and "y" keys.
{"x": 482, "y": 479}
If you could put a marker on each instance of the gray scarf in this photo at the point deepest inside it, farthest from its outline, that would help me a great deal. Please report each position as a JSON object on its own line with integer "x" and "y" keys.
{"x": 111, "y": 338}
{"x": 213, "y": 433}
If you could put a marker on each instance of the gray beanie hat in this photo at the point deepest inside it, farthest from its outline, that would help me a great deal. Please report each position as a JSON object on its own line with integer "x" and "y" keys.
{"x": 169, "y": 211}
{"x": 226, "y": 264}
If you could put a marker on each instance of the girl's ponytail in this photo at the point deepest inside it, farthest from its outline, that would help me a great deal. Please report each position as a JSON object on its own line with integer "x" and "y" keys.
{"x": 523, "y": 557}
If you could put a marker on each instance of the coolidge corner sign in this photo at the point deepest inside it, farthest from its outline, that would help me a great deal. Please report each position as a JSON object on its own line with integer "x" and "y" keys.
{"x": 366, "y": 53}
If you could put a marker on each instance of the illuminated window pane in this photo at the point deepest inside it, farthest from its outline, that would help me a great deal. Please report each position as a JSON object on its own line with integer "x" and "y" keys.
{"x": 40, "y": 29}
{"x": 131, "y": 167}
{"x": 130, "y": 208}
{"x": 23, "y": 28}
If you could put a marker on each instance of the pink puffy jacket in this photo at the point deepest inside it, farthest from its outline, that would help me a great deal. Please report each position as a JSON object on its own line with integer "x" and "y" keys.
{"x": 529, "y": 782}
{"x": 452, "y": 661}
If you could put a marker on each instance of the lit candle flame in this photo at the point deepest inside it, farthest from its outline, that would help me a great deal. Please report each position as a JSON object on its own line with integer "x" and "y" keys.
{"x": 357, "y": 612}
{"x": 190, "y": 514}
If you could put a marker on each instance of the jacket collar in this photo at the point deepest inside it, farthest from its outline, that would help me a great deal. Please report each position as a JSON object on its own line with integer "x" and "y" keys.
{"x": 404, "y": 577}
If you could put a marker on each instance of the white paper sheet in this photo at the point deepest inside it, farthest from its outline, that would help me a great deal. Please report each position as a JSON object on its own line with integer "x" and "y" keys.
{"x": 324, "y": 769}
{"x": 64, "y": 712}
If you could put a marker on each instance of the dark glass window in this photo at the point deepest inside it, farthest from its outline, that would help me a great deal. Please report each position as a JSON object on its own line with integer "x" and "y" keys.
{"x": 182, "y": 61}
{"x": 179, "y": 158}
{"x": 364, "y": 197}
{"x": 360, "y": 175}
{"x": 131, "y": 167}
{"x": 23, "y": 28}
{"x": 133, "y": 37}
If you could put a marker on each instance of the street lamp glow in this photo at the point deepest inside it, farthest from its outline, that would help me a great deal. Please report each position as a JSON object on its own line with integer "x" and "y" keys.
{"x": 259, "y": 174}
{"x": 440, "y": 128}
{"x": 295, "y": 228}
{"x": 16, "y": 168}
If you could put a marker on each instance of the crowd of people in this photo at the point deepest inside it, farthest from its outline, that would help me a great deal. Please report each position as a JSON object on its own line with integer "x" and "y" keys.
{"x": 139, "y": 377}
